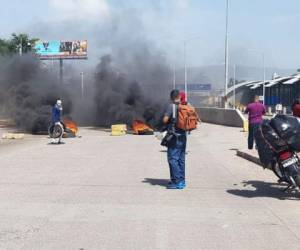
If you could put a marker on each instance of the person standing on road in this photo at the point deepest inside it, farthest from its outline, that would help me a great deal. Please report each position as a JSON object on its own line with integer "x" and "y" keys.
{"x": 56, "y": 119}
{"x": 177, "y": 147}
{"x": 255, "y": 111}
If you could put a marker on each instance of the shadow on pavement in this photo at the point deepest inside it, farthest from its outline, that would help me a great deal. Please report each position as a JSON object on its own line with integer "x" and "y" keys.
{"x": 163, "y": 151}
{"x": 264, "y": 189}
{"x": 156, "y": 182}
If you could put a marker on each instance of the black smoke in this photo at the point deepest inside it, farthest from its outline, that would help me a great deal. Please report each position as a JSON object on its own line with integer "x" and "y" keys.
{"x": 28, "y": 92}
{"x": 129, "y": 80}
{"x": 133, "y": 91}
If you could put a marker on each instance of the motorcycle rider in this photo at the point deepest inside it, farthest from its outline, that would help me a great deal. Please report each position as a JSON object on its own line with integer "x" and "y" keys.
{"x": 56, "y": 119}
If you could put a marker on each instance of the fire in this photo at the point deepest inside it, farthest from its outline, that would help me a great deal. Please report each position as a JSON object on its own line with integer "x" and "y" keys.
{"x": 70, "y": 126}
{"x": 141, "y": 128}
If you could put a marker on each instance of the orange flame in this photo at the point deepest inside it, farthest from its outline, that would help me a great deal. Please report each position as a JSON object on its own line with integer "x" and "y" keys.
{"x": 71, "y": 125}
{"x": 140, "y": 127}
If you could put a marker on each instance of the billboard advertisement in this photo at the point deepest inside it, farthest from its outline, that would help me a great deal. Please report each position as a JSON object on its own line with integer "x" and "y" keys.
{"x": 50, "y": 50}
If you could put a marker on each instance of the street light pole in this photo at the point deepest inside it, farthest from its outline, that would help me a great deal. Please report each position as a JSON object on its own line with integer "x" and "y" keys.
{"x": 174, "y": 76}
{"x": 21, "y": 46}
{"x": 264, "y": 83}
{"x": 226, "y": 56}
{"x": 264, "y": 72}
{"x": 185, "y": 72}
{"x": 234, "y": 79}
{"x": 185, "y": 65}
{"x": 82, "y": 89}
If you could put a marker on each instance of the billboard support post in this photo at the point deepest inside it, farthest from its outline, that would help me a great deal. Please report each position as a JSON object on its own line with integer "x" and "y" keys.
{"x": 61, "y": 65}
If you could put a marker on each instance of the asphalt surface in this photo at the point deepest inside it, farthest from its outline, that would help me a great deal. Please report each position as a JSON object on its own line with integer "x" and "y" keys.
{"x": 103, "y": 192}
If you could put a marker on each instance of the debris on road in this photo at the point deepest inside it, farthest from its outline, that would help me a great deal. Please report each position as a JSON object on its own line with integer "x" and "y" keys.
{"x": 118, "y": 129}
{"x": 13, "y": 136}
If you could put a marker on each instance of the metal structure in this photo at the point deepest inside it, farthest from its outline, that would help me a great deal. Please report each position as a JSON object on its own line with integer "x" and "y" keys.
{"x": 284, "y": 90}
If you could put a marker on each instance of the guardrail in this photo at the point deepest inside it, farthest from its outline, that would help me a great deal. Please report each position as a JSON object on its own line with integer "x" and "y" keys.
{"x": 226, "y": 117}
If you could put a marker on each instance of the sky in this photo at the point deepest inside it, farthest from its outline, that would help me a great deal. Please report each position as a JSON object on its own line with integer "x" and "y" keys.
{"x": 255, "y": 26}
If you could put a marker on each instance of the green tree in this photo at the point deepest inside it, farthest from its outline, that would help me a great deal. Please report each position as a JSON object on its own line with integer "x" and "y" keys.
{"x": 21, "y": 42}
{"x": 4, "y": 47}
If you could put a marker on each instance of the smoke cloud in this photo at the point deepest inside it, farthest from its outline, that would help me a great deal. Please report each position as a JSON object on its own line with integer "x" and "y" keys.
{"x": 28, "y": 91}
{"x": 130, "y": 80}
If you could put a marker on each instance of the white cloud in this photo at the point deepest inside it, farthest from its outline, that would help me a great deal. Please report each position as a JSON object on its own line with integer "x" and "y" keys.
{"x": 182, "y": 4}
{"x": 80, "y": 9}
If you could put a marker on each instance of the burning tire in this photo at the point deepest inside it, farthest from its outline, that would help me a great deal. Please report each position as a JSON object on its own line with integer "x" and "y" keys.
{"x": 55, "y": 131}
{"x": 141, "y": 128}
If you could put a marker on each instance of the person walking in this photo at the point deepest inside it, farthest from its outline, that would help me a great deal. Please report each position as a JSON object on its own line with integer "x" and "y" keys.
{"x": 56, "y": 121}
{"x": 255, "y": 111}
{"x": 177, "y": 146}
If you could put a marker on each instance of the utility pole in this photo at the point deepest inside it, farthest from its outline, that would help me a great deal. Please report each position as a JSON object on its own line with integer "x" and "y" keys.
{"x": 185, "y": 72}
{"x": 234, "y": 80}
{"x": 264, "y": 75}
{"x": 82, "y": 88}
{"x": 174, "y": 76}
{"x": 185, "y": 64}
{"x": 226, "y": 56}
{"x": 262, "y": 53}
{"x": 61, "y": 71}
{"x": 21, "y": 46}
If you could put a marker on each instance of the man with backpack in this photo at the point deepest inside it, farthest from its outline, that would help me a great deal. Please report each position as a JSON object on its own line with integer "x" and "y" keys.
{"x": 180, "y": 119}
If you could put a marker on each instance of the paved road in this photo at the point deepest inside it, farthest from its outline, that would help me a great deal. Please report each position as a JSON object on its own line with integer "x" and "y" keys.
{"x": 103, "y": 192}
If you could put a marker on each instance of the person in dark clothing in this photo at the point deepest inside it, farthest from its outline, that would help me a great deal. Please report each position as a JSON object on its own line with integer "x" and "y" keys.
{"x": 56, "y": 119}
{"x": 177, "y": 148}
{"x": 256, "y": 110}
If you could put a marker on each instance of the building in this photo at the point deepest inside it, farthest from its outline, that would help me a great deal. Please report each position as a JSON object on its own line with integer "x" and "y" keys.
{"x": 284, "y": 90}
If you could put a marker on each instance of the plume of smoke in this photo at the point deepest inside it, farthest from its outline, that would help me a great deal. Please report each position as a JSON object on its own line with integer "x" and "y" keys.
{"x": 121, "y": 97}
{"x": 131, "y": 81}
{"x": 28, "y": 91}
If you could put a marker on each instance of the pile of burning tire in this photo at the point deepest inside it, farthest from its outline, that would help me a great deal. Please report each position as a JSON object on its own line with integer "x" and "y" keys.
{"x": 68, "y": 129}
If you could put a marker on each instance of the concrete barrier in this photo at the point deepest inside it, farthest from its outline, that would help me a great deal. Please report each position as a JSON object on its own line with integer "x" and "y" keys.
{"x": 227, "y": 117}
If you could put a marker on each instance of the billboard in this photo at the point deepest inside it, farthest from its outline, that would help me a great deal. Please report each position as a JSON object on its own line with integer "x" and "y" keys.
{"x": 195, "y": 87}
{"x": 50, "y": 50}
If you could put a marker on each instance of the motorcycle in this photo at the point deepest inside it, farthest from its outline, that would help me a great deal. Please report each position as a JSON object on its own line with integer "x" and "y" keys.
{"x": 278, "y": 141}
